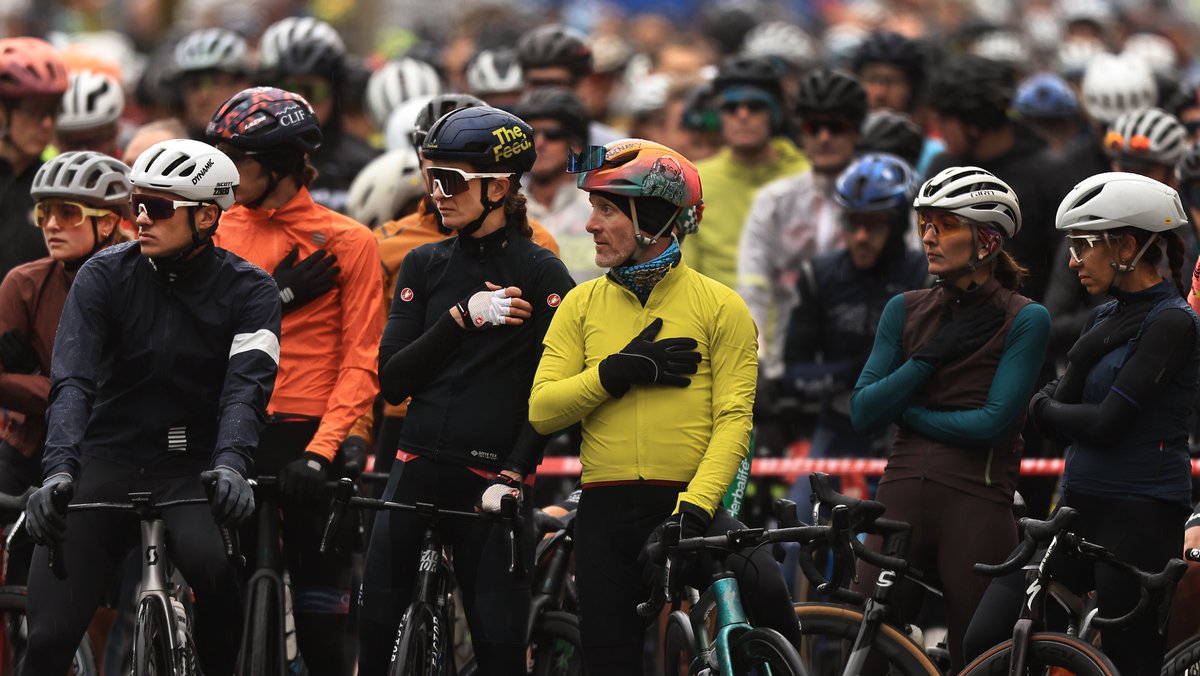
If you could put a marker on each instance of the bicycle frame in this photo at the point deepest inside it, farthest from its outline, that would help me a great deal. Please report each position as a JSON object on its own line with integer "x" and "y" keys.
{"x": 156, "y": 574}
{"x": 724, "y": 597}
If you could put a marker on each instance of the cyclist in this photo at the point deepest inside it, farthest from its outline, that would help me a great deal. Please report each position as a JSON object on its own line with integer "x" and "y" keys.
{"x": 749, "y": 94}
{"x": 560, "y": 123}
{"x": 1049, "y": 106}
{"x": 91, "y": 113}
{"x": 953, "y": 367}
{"x": 887, "y": 132}
{"x": 331, "y": 328}
{"x": 32, "y": 82}
{"x": 210, "y": 65}
{"x": 397, "y": 82}
{"x": 1112, "y": 86}
{"x": 795, "y": 218}
{"x": 554, "y": 55}
{"x": 666, "y": 416}
{"x": 495, "y": 75}
{"x": 307, "y": 56}
{"x": 81, "y": 198}
{"x": 463, "y": 339}
{"x": 163, "y": 364}
{"x": 1122, "y": 404}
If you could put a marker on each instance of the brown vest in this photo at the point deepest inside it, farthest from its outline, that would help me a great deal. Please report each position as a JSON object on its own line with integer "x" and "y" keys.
{"x": 957, "y": 385}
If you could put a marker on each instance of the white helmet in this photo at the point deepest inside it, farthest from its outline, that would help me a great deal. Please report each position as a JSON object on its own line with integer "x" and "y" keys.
{"x": 397, "y": 131}
{"x": 1006, "y": 47}
{"x": 648, "y": 94}
{"x": 92, "y": 100}
{"x": 280, "y": 36}
{"x": 1147, "y": 135}
{"x": 783, "y": 40}
{"x": 385, "y": 186}
{"x": 1118, "y": 200}
{"x": 1074, "y": 55}
{"x": 975, "y": 194}
{"x": 211, "y": 49}
{"x": 191, "y": 169}
{"x": 396, "y": 82}
{"x": 1154, "y": 50}
{"x": 494, "y": 71}
{"x": 1113, "y": 86}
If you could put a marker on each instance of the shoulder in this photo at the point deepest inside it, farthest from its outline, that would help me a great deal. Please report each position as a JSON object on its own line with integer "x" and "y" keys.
{"x": 31, "y": 271}
{"x": 1033, "y": 315}
{"x": 786, "y": 186}
{"x": 240, "y": 268}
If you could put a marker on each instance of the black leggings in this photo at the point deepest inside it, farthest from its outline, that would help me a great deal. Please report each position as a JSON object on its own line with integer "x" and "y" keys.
{"x": 320, "y": 582}
{"x": 496, "y": 603}
{"x": 611, "y": 525}
{"x": 1143, "y": 533}
{"x": 951, "y": 531}
{"x": 97, "y": 543}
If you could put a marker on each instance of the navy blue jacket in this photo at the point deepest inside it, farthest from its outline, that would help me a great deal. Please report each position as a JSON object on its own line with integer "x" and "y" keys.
{"x": 152, "y": 370}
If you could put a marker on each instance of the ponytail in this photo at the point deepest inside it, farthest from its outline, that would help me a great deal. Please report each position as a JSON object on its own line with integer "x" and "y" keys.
{"x": 1176, "y": 251}
{"x": 515, "y": 208}
{"x": 1010, "y": 273}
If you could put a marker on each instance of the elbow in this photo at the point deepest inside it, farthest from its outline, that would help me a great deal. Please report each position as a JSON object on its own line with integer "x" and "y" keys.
{"x": 539, "y": 418}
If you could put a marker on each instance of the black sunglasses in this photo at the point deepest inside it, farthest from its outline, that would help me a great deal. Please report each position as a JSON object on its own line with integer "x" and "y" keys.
{"x": 551, "y": 133}
{"x": 752, "y": 105}
{"x": 835, "y": 126}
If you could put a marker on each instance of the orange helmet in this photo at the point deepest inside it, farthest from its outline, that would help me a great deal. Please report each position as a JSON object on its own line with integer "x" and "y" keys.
{"x": 30, "y": 67}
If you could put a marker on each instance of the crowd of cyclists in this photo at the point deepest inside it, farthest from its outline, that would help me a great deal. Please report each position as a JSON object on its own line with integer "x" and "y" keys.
{"x": 949, "y": 241}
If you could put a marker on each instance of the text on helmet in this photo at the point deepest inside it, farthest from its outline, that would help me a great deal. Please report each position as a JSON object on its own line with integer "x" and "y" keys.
{"x": 510, "y": 142}
{"x": 203, "y": 170}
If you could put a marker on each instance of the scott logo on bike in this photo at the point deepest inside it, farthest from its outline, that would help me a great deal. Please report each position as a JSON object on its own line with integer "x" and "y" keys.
{"x": 152, "y": 555}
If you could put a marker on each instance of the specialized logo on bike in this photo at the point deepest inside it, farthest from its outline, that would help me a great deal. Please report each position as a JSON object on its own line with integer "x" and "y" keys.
{"x": 152, "y": 555}
{"x": 510, "y": 142}
{"x": 406, "y": 294}
{"x": 886, "y": 578}
{"x": 553, "y": 300}
{"x": 428, "y": 561}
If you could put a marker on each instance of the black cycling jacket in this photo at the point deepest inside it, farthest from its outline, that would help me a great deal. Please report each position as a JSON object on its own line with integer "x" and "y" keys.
{"x": 151, "y": 372}
{"x": 470, "y": 389}
{"x": 21, "y": 241}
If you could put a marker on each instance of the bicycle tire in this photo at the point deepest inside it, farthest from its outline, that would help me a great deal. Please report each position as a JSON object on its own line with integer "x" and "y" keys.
{"x": 1046, "y": 649}
{"x": 151, "y": 640}
{"x": 419, "y": 643}
{"x": 1184, "y": 659}
{"x": 265, "y": 653}
{"x": 840, "y": 625}
{"x": 679, "y": 645}
{"x": 759, "y": 647}
{"x": 555, "y": 646}
{"x": 13, "y": 601}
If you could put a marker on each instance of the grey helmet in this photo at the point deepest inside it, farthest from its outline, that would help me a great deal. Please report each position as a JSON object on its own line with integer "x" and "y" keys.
{"x": 85, "y": 176}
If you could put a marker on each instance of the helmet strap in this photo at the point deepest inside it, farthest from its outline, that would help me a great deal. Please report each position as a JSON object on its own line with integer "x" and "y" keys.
{"x": 173, "y": 264}
{"x": 1123, "y": 268}
{"x": 488, "y": 207}
{"x": 97, "y": 244}
{"x": 272, "y": 185}
{"x": 644, "y": 242}
{"x": 972, "y": 265}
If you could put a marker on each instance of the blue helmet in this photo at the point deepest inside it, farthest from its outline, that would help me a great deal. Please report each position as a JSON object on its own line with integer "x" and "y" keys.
{"x": 876, "y": 182}
{"x": 1046, "y": 95}
{"x": 482, "y": 136}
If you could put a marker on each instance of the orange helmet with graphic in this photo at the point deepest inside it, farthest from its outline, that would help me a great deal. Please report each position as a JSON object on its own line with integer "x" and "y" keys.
{"x": 635, "y": 167}
{"x": 30, "y": 67}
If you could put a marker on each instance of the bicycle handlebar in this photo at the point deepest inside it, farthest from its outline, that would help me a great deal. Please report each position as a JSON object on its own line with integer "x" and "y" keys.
{"x": 1036, "y": 532}
{"x": 1155, "y": 589}
{"x": 15, "y": 504}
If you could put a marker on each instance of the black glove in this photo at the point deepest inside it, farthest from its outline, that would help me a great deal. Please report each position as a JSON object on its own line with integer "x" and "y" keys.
{"x": 693, "y": 523}
{"x": 300, "y": 284}
{"x": 232, "y": 497}
{"x": 354, "y": 455}
{"x": 304, "y": 479}
{"x": 1040, "y": 397}
{"x": 645, "y": 360}
{"x": 502, "y": 485}
{"x": 46, "y": 525}
{"x": 961, "y": 335}
{"x": 1108, "y": 335}
{"x": 17, "y": 354}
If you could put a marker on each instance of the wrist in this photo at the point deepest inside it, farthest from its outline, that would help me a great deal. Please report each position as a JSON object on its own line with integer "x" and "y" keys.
{"x": 457, "y": 315}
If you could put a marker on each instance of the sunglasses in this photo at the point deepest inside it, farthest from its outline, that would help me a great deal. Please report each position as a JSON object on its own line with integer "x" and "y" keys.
{"x": 453, "y": 181}
{"x": 943, "y": 223}
{"x": 551, "y": 133}
{"x": 313, "y": 92}
{"x": 1077, "y": 254}
{"x": 834, "y": 126}
{"x": 752, "y": 105}
{"x": 158, "y": 208}
{"x": 588, "y": 159}
{"x": 66, "y": 213}
{"x": 206, "y": 80}
{"x": 38, "y": 110}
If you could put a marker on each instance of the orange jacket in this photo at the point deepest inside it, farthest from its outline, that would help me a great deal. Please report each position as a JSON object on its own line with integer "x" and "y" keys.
{"x": 330, "y": 347}
{"x": 396, "y": 239}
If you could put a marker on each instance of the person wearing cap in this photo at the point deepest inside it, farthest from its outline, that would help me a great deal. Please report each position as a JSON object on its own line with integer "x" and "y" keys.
{"x": 750, "y": 98}
{"x": 327, "y": 269}
{"x": 163, "y": 363}
{"x": 462, "y": 341}
{"x": 32, "y": 82}
{"x": 657, "y": 363}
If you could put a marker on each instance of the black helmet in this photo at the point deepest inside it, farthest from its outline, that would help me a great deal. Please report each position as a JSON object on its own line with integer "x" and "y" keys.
{"x": 434, "y": 110}
{"x": 483, "y": 137}
{"x": 886, "y": 131}
{"x": 825, "y": 91}
{"x": 263, "y": 119}
{"x": 895, "y": 49}
{"x": 727, "y": 23}
{"x": 556, "y": 103}
{"x": 555, "y": 45}
{"x": 754, "y": 71}
{"x": 974, "y": 89}
{"x": 700, "y": 109}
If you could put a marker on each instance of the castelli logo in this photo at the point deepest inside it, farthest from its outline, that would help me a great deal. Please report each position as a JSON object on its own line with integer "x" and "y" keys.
{"x": 553, "y": 300}
{"x": 406, "y": 295}
{"x": 479, "y": 321}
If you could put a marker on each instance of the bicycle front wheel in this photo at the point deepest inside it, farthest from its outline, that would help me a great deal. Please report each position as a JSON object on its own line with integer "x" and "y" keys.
{"x": 555, "y": 648}
{"x": 1048, "y": 652}
{"x": 264, "y": 651}
{"x": 764, "y": 652}
{"x": 419, "y": 644}
{"x": 829, "y": 634}
{"x": 1184, "y": 659}
{"x": 152, "y": 640}
{"x": 678, "y": 645}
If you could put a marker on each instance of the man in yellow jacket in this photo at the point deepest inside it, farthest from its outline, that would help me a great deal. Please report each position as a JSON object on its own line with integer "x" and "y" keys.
{"x": 665, "y": 416}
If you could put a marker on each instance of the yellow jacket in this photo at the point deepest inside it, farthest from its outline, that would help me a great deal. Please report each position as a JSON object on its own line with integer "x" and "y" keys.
{"x": 697, "y": 434}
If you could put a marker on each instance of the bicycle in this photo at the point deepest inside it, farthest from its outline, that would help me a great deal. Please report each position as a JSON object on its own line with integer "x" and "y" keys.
{"x": 733, "y": 647}
{"x": 1184, "y": 659}
{"x": 1031, "y": 645}
{"x": 423, "y": 642}
{"x": 162, "y": 641}
{"x": 14, "y": 600}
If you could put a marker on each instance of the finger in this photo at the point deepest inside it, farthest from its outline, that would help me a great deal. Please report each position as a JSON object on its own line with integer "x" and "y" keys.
{"x": 491, "y": 287}
{"x": 513, "y": 321}
{"x": 674, "y": 380}
{"x": 316, "y": 256}
{"x": 321, "y": 266}
{"x": 681, "y": 367}
{"x": 512, "y": 291}
{"x": 679, "y": 343}
{"x": 520, "y": 304}
{"x": 290, "y": 259}
{"x": 651, "y": 330}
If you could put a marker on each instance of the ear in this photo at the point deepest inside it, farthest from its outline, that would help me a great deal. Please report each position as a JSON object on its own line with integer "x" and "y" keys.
{"x": 106, "y": 224}
{"x": 206, "y": 217}
{"x": 498, "y": 188}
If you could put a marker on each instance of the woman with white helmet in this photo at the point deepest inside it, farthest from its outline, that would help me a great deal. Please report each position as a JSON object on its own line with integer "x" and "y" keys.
{"x": 1122, "y": 405}
{"x": 186, "y": 392}
{"x": 953, "y": 366}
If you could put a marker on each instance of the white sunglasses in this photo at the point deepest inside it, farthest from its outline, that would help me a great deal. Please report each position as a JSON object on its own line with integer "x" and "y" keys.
{"x": 453, "y": 181}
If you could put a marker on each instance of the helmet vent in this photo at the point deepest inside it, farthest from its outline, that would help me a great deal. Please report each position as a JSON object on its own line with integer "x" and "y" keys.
{"x": 170, "y": 168}
{"x": 1089, "y": 196}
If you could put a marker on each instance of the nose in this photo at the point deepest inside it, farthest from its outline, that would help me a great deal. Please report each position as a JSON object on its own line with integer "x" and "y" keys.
{"x": 1074, "y": 264}
{"x": 142, "y": 219}
{"x": 592, "y": 225}
{"x": 438, "y": 193}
